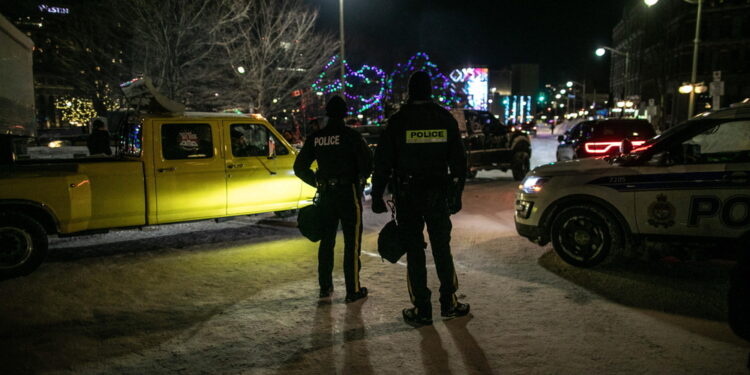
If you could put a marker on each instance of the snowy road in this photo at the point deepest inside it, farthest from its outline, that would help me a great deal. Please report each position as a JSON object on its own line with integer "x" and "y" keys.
{"x": 240, "y": 297}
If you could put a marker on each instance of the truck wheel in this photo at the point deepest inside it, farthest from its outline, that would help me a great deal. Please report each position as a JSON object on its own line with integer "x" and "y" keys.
{"x": 520, "y": 164}
{"x": 739, "y": 300}
{"x": 586, "y": 236}
{"x": 23, "y": 244}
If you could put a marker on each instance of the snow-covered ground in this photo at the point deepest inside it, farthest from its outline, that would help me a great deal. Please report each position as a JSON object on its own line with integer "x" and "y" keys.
{"x": 240, "y": 297}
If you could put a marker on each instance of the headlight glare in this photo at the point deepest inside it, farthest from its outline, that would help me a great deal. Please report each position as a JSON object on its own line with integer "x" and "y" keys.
{"x": 532, "y": 184}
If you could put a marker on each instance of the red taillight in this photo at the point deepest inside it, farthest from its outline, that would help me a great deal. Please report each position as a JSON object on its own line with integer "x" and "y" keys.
{"x": 599, "y": 147}
{"x": 605, "y": 147}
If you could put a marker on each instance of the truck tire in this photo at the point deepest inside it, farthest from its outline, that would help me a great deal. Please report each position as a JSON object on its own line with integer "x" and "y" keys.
{"x": 520, "y": 164}
{"x": 586, "y": 236}
{"x": 23, "y": 244}
{"x": 739, "y": 300}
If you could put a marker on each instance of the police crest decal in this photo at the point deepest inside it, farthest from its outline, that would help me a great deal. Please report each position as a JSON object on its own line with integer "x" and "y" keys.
{"x": 661, "y": 213}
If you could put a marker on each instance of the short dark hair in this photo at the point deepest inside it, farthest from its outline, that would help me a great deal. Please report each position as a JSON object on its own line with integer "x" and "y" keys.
{"x": 98, "y": 124}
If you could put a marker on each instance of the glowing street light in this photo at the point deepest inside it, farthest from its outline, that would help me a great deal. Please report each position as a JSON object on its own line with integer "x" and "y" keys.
{"x": 241, "y": 69}
{"x": 650, "y": 3}
{"x": 602, "y": 50}
{"x": 686, "y": 88}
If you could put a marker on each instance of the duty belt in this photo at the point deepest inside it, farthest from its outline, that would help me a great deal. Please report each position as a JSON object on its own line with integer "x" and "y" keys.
{"x": 336, "y": 181}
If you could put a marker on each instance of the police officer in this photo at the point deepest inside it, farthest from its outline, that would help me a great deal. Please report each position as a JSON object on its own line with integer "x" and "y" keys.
{"x": 421, "y": 154}
{"x": 344, "y": 164}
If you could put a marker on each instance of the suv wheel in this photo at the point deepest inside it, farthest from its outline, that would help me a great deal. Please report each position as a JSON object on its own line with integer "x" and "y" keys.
{"x": 585, "y": 236}
{"x": 520, "y": 164}
{"x": 23, "y": 244}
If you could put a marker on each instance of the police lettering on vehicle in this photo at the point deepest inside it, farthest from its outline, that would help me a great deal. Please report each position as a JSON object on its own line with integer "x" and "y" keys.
{"x": 331, "y": 140}
{"x": 734, "y": 212}
{"x": 427, "y": 136}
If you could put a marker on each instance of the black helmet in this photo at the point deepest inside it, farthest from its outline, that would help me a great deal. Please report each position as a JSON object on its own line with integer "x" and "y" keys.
{"x": 336, "y": 107}
{"x": 389, "y": 246}
{"x": 309, "y": 223}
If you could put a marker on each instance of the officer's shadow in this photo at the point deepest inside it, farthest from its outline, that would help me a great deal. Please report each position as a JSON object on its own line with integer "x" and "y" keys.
{"x": 435, "y": 358}
{"x": 473, "y": 355}
{"x": 356, "y": 354}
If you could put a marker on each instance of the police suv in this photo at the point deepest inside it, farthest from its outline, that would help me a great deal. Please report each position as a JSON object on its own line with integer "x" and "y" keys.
{"x": 690, "y": 185}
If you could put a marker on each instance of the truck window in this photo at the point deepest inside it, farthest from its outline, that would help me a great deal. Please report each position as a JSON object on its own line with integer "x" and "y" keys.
{"x": 186, "y": 141}
{"x": 254, "y": 140}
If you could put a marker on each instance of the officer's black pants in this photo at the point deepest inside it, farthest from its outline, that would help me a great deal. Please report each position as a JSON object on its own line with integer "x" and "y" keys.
{"x": 340, "y": 203}
{"x": 414, "y": 209}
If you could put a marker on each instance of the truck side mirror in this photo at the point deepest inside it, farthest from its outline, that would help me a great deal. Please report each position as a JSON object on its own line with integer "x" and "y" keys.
{"x": 626, "y": 146}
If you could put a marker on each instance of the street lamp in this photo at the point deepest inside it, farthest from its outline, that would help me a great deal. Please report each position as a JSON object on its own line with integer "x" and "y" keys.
{"x": 341, "y": 49}
{"x": 696, "y": 43}
{"x": 602, "y": 50}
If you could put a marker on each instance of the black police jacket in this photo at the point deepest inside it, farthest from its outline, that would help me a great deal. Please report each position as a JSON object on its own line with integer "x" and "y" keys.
{"x": 422, "y": 140}
{"x": 341, "y": 152}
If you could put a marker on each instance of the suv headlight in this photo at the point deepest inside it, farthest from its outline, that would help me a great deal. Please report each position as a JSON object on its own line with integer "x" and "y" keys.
{"x": 532, "y": 184}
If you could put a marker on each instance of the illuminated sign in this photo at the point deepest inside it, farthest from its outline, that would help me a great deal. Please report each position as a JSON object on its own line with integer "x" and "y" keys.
{"x": 472, "y": 83}
{"x": 54, "y": 10}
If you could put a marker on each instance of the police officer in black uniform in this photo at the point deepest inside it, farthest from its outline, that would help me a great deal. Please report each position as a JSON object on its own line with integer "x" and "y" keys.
{"x": 344, "y": 164}
{"x": 421, "y": 155}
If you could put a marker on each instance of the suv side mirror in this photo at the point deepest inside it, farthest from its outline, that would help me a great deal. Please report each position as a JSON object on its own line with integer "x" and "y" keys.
{"x": 626, "y": 146}
{"x": 560, "y": 138}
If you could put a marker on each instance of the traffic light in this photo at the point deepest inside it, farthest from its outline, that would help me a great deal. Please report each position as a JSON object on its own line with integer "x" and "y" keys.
{"x": 541, "y": 98}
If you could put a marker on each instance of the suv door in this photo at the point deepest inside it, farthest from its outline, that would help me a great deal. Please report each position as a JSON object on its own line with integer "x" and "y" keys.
{"x": 189, "y": 171}
{"x": 699, "y": 186}
{"x": 259, "y": 169}
{"x": 568, "y": 142}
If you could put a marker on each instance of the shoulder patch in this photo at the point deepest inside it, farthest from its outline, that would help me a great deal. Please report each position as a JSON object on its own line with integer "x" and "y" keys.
{"x": 427, "y": 136}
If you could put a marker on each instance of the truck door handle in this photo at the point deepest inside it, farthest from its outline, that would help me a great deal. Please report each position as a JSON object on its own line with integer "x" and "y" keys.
{"x": 230, "y": 166}
{"x": 162, "y": 170}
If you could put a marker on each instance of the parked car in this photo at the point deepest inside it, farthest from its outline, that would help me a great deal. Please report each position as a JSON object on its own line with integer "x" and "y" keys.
{"x": 602, "y": 137}
{"x": 490, "y": 144}
{"x": 688, "y": 188}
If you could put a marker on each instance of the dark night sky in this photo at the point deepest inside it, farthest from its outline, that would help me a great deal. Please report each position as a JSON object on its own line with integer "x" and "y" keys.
{"x": 560, "y": 35}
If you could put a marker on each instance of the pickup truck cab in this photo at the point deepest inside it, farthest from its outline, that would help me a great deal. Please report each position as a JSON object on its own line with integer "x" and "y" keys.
{"x": 168, "y": 168}
{"x": 491, "y": 144}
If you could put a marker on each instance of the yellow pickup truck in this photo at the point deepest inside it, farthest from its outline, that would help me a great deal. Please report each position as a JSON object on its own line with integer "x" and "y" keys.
{"x": 168, "y": 168}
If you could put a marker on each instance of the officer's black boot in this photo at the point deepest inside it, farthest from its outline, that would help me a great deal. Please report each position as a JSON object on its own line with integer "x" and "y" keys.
{"x": 362, "y": 293}
{"x": 458, "y": 309}
{"x": 418, "y": 317}
{"x": 326, "y": 292}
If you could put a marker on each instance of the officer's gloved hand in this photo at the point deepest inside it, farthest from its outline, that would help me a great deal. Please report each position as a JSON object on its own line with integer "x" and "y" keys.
{"x": 455, "y": 191}
{"x": 378, "y": 204}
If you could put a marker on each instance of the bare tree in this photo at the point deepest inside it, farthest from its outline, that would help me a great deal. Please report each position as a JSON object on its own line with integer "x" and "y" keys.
{"x": 274, "y": 52}
{"x": 175, "y": 43}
